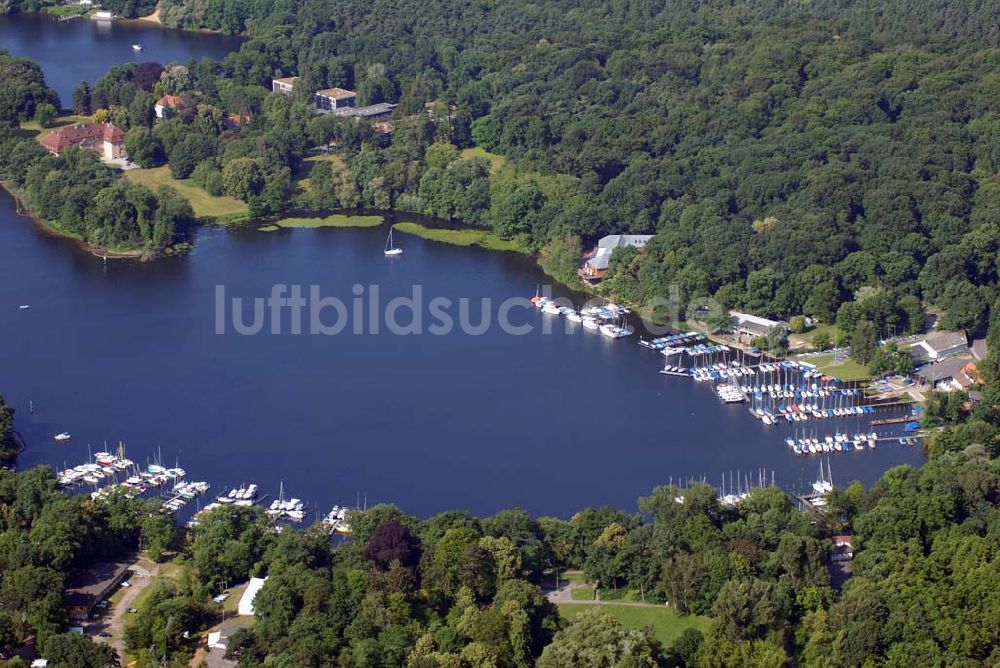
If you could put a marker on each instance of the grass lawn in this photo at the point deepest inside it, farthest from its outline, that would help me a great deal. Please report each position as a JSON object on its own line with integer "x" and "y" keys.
{"x": 667, "y": 625}
{"x": 31, "y": 128}
{"x": 67, "y": 10}
{"x": 218, "y": 209}
{"x": 335, "y": 220}
{"x": 582, "y": 593}
{"x": 466, "y": 237}
{"x": 233, "y": 602}
{"x": 845, "y": 369}
{"x": 496, "y": 161}
{"x": 803, "y": 341}
{"x": 621, "y": 595}
{"x": 575, "y": 578}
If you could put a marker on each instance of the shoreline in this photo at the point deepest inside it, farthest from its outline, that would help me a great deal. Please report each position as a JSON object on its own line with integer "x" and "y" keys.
{"x": 155, "y": 20}
{"x": 86, "y": 246}
{"x": 148, "y": 20}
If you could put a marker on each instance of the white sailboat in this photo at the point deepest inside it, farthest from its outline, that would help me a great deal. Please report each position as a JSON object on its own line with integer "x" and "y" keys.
{"x": 137, "y": 47}
{"x": 389, "y": 248}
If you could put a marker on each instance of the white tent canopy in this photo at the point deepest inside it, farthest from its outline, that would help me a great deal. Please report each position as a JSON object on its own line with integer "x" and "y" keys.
{"x": 249, "y": 594}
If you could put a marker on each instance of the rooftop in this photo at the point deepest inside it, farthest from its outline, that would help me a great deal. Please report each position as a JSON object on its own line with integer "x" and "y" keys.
{"x": 249, "y": 594}
{"x": 82, "y": 132}
{"x": 933, "y": 373}
{"x": 746, "y": 318}
{"x": 601, "y": 258}
{"x": 380, "y": 109}
{"x": 94, "y": 581}
{"x": 288, "y": 81}
{"x": 170, "y": 101}
{"x": 941, "y": 341}
{"x": 622, "y": 240}
{"x": 336, "y": 93}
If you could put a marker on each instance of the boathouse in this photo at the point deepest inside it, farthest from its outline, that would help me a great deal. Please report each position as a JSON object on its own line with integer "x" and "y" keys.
{"x": 596, "y": 266}
{"x": 751, "y": 326}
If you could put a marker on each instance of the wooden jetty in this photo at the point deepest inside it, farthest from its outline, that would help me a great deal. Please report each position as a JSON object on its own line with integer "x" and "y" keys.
{"x": 895, "y": 420}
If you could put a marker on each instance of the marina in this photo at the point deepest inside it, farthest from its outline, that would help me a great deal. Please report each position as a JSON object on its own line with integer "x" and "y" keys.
{"x": 311, "y": 410}
{"x": 107, "y": 474}
{"x": 777, "y": 391}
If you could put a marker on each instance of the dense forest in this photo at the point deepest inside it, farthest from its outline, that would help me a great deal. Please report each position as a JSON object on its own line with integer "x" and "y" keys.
{"x": 9, "y": 444}
{"x": 833, "y": 158}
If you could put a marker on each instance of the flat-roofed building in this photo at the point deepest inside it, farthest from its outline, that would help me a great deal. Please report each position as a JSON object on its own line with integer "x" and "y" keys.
{"x": 332, "y": 99}
{"x": 752, "y": 326}
{"x": 284, "y": 85}
{"x": 939, "y": 345}
{"x": 93, "y": 585}
{"x": 373, "y": 112}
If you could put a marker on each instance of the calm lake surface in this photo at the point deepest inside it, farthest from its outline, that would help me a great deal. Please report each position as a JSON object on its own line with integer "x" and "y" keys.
{"x": 82, "y": 49}
{"x": 552, "y": 423}
{"x": 128, "y": 352}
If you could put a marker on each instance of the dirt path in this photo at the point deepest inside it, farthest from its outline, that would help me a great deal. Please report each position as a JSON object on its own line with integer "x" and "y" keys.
{"x": 143, "y": 575}
{"x": 154, "y": 17}
{"x": 564, "y": 596}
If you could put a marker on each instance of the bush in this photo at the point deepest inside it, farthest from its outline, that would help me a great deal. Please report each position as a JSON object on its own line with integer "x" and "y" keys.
{"x": 45, "y": 113}
{"x": 821, "y": 340}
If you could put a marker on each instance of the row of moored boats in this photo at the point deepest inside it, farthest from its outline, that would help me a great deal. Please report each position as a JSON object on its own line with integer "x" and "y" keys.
{"x": 608, "y": 319}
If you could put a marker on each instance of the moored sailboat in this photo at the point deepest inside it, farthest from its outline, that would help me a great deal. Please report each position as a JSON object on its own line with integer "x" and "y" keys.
{"x": 390, "y": 249}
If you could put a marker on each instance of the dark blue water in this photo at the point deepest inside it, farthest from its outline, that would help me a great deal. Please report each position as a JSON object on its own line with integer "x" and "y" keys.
{"x": 552, "y": 423}
{"x": 81, "y": 49}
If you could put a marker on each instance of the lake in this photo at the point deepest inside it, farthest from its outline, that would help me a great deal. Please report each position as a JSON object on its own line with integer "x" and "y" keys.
{"x": 82, "y": 49}
{"x": 129, "y": 352}
{"x": 552, "y": 423}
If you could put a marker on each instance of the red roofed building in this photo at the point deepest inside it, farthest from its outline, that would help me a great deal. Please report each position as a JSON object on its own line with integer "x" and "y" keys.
{"x": 235, "y": 120}
{"x": 166, "y": 102}
{"x": 105, "y": 138}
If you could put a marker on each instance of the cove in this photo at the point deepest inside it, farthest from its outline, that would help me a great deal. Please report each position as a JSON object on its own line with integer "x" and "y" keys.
{"x": 551, "y": 423}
